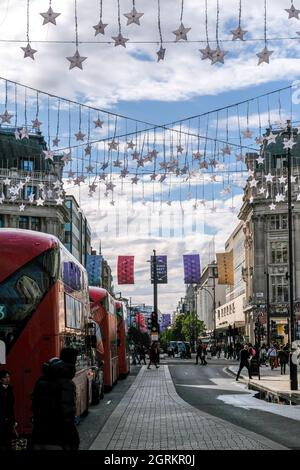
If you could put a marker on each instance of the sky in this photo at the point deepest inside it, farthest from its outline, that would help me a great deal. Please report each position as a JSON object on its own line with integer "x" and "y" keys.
{"x": 130, "y": 82}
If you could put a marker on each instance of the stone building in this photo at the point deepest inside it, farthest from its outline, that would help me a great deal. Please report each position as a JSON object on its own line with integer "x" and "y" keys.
{"x": 31, "y": 191}
{"x": 265, "y": 217}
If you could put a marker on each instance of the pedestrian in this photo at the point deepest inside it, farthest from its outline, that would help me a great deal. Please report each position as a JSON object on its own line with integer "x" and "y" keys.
{"x": 203, "y": 355}
{"x": 153, "y": 355}
{"x": 7, "y": 414}
{"x": 54, "y": 404}
{"x": 272, "y": 355}
{"x": 199, "y": 351}
{"x": 244, "y": 361}
{"x": 142, "y": 354}
{"x": 283, "y": 358}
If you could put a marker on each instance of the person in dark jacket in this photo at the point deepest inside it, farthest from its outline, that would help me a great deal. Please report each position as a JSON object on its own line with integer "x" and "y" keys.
{"x": 54, "y": 405}
{"x": 244, "y": 361}
{"x": 153, "y": 354}
{"x": 7, "y": 415}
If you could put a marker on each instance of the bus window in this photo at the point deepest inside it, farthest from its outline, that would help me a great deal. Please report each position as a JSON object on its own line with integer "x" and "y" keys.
{"x": 20, "y": 295}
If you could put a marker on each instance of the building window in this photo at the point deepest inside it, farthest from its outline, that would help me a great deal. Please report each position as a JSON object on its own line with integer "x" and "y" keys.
{"x": 279, "y": 162}
{"x": 280, "y": 291}
{"x": 27, "y": 165}
{"x": 27, "y": 191}
{"x": 24, "y": 222}
{"x": 1, "y": 221}
{"x": 35, "y": 223}
{"x": 279, "y": 252}
{"x": 278, "y": 222}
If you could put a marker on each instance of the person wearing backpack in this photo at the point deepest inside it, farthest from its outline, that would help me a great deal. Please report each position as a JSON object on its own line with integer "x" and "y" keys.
{"x": 54, "y": 404}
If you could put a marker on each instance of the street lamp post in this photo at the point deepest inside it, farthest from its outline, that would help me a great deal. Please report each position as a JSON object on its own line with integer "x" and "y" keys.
{"x": 293, "y": 367}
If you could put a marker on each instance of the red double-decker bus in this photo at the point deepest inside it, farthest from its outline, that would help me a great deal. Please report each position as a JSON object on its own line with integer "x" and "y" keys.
{"x": 103, "y": 312}
{"x": 44, "y": 306}
{"x": 123, "y": 352}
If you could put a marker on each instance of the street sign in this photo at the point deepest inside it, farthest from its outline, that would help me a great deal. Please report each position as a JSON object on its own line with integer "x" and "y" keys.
{"x": 154, "y": 337}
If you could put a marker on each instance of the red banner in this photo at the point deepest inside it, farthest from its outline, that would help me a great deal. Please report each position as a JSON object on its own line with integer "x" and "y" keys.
{"x": 125, "y": 269}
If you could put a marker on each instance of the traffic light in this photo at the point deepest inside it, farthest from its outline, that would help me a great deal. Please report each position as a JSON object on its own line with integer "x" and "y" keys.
{"x": 286, "y": 328}
{"x": 149, "y": 323}
{"x": 154, "y": 322}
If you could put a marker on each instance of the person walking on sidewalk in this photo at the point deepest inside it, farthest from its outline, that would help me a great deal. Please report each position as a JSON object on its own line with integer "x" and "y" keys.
{"x": 283, "y": 358}
{"x": 199, "y": 351}
{"x": 272, "y": 355}
{"x": 154, "y": 352}
{"x": 244, "y": 361}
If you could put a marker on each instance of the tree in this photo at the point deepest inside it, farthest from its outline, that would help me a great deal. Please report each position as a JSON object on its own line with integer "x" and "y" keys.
{"x": 192, "y": 327}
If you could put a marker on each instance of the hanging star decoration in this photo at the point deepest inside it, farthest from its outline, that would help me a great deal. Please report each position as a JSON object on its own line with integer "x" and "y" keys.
{"x": 98, "y": 123}
{"x": 269, "y": 178}
{"x": 130, "y": 145}
{"x": 79, "y": 135}
{"x": 272, "y": 207}
{"x": 40, "y": 201}
{"x": 238, "y": 33}
{"x": 264, "y": 56}
{"x": 218, "y": 56}
{"x": 99, "y": 28}
{"x": 55, "y": 142}
{"x": 48, "y": 155}
{"x": 207, "y": 53}
{"x": 133, "y": 17}
{"x": 36, "y": 124}
{"x": 161, "y": 53}
{"x": 120, "y": 40}
{"x": 260, "y": 160}
{"x": 113, "y": 145}
{"x": 288, "y": 143}
{"x": 76, "y": 60}
{"x": 88, "y": 149}
{"x": 6, "y": 117}
{"x": 293, "y": 12}
{"x": 28, "y": 51}
{"x": 24, "y": 133}
{"x": 89, "y": 168}
{"x": 181, "y": 33}
{"x": 59, "y": 201}
{"x": 134, "y": 180}
{"x": 67, "y": 157}
{"x": 271, "y": 138}
{"x": 50, "y": 16}
{"x": 247, "y": 133}
{"x": 22, "y": 207}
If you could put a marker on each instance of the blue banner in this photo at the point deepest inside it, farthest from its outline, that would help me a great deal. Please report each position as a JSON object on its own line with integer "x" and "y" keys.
{"x": 192, "y": 273}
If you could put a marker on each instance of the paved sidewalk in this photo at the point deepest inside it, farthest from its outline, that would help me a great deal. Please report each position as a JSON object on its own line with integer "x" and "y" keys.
{"x": 271, "y": 381}
{"x": 151, "y": 415}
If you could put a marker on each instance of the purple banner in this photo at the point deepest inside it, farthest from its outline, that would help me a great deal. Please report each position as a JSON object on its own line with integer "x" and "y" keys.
{"x": 191, "y": 269}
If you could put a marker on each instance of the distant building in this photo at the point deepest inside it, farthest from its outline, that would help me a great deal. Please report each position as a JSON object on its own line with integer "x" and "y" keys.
{"x": 32, "y": 195}
{"x": 77, "y": 231}
{"x": 94, "y": 265}
{"x": 25, "y": 177}
{"x": 210, "y": 295}
{"x": 230, "y": 317}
